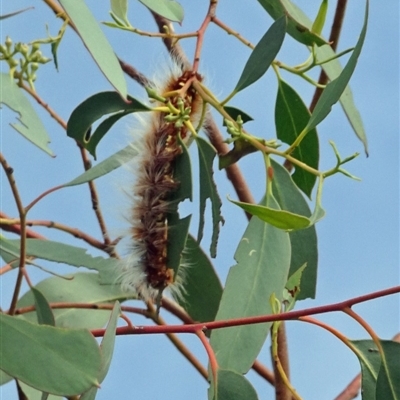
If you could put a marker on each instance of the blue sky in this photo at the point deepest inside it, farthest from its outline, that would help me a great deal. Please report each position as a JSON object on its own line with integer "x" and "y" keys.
{"x": 358, "y": 238}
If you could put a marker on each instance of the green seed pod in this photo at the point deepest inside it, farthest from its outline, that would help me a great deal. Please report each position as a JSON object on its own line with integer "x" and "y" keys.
{"x": 34, "y": 66}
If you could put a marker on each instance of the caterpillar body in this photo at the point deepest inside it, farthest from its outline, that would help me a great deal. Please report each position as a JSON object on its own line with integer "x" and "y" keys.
{"x": 146, "y": 270}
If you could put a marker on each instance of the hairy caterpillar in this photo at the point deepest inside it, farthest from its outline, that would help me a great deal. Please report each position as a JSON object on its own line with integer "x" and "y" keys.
{"x": 146, "y": 270}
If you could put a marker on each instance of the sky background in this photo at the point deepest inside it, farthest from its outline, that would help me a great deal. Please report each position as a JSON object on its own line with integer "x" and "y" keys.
{"x": 358, "y": 238}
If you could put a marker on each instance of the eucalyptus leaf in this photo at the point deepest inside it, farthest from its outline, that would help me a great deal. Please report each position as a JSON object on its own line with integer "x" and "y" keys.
{"x": 298, "y": 30}
{"x": 63, "y": 370}
{"x": 388, "y": 382}
{"x": 96, "y": 43}
{"x": 263, "y": 55}
{"x": 30, "y": 126}
{"x": 4, "y": 16}
{"x": 43, "y": 310}
{"x": 231, "y": 386}
{"x": 120, "y": 10}
{"x": 278, "y": 218}
{"x": 66, "y": 254}
{"x": 299, "y": 26}
{"x": 263, "y": 261}
{"x": 107, "y": 344}
{"x": 92, "y": 109}
{"x": 178, "y": 229}
{"x": 319, "y": 21}
{"x": 82, "y": 288}
{"x": 303, "y": 241}
{"x": 34, "y": 394}
{"x": 370, "y": 361}
{"x": 106, "y": 166}
{"x": 208, "y": 190}
{"x": 291, "y": 116}
{"x": 202, "y": 289}
{"x": 169, "y": 9}
{"x": 335, "y": 88}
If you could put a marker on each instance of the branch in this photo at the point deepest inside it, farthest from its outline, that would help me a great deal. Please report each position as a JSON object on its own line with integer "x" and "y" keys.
{"x": 285, "y": 316}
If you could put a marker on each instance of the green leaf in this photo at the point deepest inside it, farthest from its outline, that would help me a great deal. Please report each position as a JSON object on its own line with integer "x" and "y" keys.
{"x": 303, "y": 242}
{"x": 120, "y": 10}
{"x": 320, "y": 18}
{"x": 263, "y": 261}
{"x": 231, "y": 386}
{"x": 333, "y": 70}
{"x": 30, "y": 126}
{"x": 59, "y": 353}
{"x": 96, "y": 43}
{"x": 168, "y": 9}
{"x": 178, "y": 229}
{"x": 263, "y": 54}
{"x": 4, "y": 378}
{"x": 202, "y": 289}
{"x": 291, "y": 116}
{"x": 106, "y": 166}
{"x": 34, "y": 394}
{"x": 234, "y": 114}
{"x": 15, "y": 13}
{"x": 276, "y": 8}
{"x": 388, "y": 382}
{"x": 299, "y": 26}
{"x": 92, "y": 109}
{"x": 107, "y": 344}
{"x": 66, "y": 254}
{"x": 335, "y": 88}
{"x": 208, "y": 190}
{"x": 278, "y": 218}
{"x": 82, "y": 288}
{"x": 43, "y": 310}
{"x": 370, "y": 361}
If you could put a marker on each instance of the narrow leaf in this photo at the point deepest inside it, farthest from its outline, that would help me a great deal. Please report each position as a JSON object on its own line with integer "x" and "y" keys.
{"x": 208, "y": 190}
{"x": 291, "y": 116}
{"x": 15, "y": 13}
{"x": 67, "y": 254}
{"x": 202, "y": 289}
{"x": 299, "y": 26}
{"x": 320, "y": 18}
{"x": 304, "y": 241}
{"x": 57, "y": 351}
{"x": 278, "y": 218}
{"x": 120, "y": 10}
{"x": 169, "y": 9}
{"x": 30, "y": 126}
{"x": 263, "y": 54}
{"x": 107, "y": 344}
{"x": 178, "y": 229}
{"x": 92, "y": 109}
{"x": 300, "y": 31}
{"x": 370, "y": 361}
{"x": 335, "y": 89}
{"x": 263, "y": 261}
{"x": 388, "y": 382}
{"x": 106, "y": 166}
{"x": 83, "y": 288}
{"x": 43, "y": 310}
{"x": 96, "y": 43}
